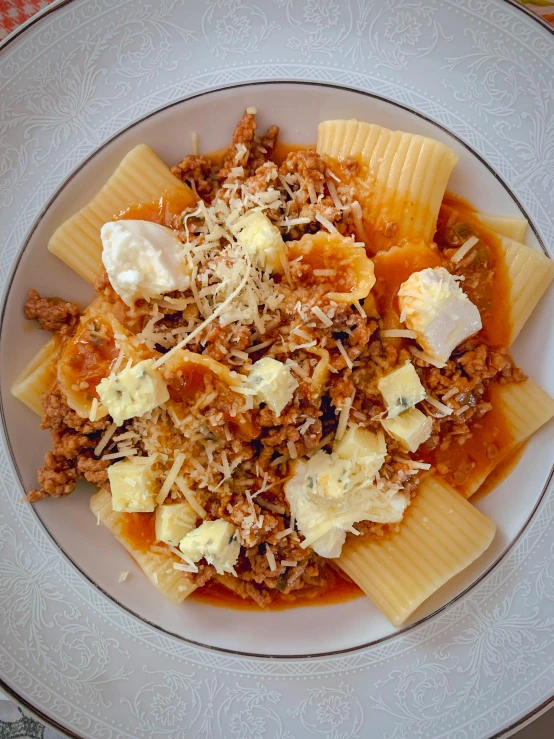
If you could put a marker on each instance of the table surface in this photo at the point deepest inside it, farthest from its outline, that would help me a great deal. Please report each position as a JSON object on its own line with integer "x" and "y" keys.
{"x": 14, "y": 723}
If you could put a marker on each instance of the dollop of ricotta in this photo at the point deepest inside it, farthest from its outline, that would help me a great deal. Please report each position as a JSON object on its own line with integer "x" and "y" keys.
{"x": 143, "y": 259}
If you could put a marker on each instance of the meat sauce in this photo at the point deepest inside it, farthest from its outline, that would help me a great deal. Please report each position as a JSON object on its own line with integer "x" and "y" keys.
{"x": 340, "y": 591}
{"x": 489, "y": 289}
{"x": 87, "y": 359}
{"x": 161, "y": 211}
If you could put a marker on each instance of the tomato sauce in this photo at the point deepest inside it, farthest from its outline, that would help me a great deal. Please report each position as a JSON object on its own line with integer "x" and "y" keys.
{"x": 496, "y": 315}
{"x": 161, "y": 211}
{"x": 138, "y": 529}
{"x": 474, "y": 460}
{"x": 87, "y": 358}
{"x": 188, "y": 381}
{"x": 502, "y": 470}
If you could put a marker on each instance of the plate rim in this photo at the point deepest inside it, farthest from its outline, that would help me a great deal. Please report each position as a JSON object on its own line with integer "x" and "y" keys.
{"x": 510, "y": 730}
{"x": 4, "y": 424}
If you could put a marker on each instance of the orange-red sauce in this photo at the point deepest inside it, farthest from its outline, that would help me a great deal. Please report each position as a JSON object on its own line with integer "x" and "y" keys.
{"x": 189, "y": 381}
{"x": 282, "y": 150}
{"x": 488, "y": 443}
{"x": 139, "y": 530}
{"x": 216, "y": 594}
{"x": 87, "y": 358}
{"x": 393, "y": 267}
{"x": 497, "y": 322}
{"x": 160, "y": 211}
{"x": 502, "y": 470}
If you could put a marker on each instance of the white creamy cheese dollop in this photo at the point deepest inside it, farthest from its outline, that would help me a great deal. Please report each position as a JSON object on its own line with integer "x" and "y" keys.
{"x": 143, "y": 259}
{"x": 434, "y": 306}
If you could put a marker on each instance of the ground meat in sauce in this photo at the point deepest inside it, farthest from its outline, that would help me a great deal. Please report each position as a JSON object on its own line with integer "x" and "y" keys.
{"x": 53, "y": 314}
{"x": 256, "y": 485}
{"x": 73, "y": 442}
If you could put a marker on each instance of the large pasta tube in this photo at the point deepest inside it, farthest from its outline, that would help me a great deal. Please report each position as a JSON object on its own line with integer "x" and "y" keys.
{"x": 509, "y": 226}
{"x": 141, "y": 178}
{"x": 525, "y": 408}
{"x": 440, "y": 535}
{"x": 402, "y": 180}
{"x": 157, "y": 566}
{"x": 530, "y": 273}
{"x": 38, "y": 376}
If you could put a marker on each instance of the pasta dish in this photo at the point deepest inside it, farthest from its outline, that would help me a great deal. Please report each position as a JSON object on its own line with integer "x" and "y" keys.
{"x": 296, "y": 369}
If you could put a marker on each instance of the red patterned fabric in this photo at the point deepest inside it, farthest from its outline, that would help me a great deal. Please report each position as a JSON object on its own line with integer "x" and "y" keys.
{"x": 14, "y": 12}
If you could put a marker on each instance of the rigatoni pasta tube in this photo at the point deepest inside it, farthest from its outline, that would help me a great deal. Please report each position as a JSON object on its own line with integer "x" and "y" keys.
{"x": 530, "y": 273}
{"x": 141, "y": 178}
{"x": 402, "y": 179}
{"x": 38, "y": 376}
{"x": 509, "y": 226}
{"x": 525, "y": 407}
{"x": 157, "y": 566}
{"x": 440, "y": 535}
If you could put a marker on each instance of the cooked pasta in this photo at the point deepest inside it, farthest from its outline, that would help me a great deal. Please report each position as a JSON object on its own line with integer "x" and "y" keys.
{"x": 157, "y": 566}
{"x": 259, "y": 400}
{"x": 404, "y": 177}
{"x": 530, "y": 274}
{"x": 38, "y": 376}
{"x": 440, "y": 536}
{"x": 509, "y": 226}
{"x": 140, "y": 178}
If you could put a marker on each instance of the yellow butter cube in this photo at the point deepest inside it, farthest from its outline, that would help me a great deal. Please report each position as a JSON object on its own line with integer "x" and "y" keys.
{"x": 410, "y": 428}
{"x": 133, "y": 487}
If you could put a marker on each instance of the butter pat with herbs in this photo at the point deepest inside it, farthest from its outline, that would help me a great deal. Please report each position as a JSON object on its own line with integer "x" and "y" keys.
{"x": 133, "y": 391}
{"x": 133, "y": 487}
{"x": 216, "y": 542}
{"x": 261, "y": 240}
{"x": 410, "y": 428}
{"x": 433, "y": 304}
{"x": 401, "y": 389}
{"x": 273, "y": 383}
{"x": 173, "y": 521}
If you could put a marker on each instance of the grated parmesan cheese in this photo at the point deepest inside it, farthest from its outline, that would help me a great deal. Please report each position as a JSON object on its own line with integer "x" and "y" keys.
{"x": 282, "y": 534}
{"x": 191, "y": 498}
{"x": 123, "y": 576}
{"x": 108, "y": 433}
{"x": 171, "y": 477}
{"x": 344, "y": 416}
{"x": 464, "y": 249}
{"x": 326, "y": 223}
{"x": 444, "y": 409}
{"x": 342, "y": 350}
{"x": 426, "y": 358}
{"x": 270, "y": 558}
{"x": 398, "y": 333}
{"x": 325, "y": 320}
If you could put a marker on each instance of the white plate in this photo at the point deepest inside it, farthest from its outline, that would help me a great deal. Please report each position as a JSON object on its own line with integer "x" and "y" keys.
{"x": 118, "y": 660}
